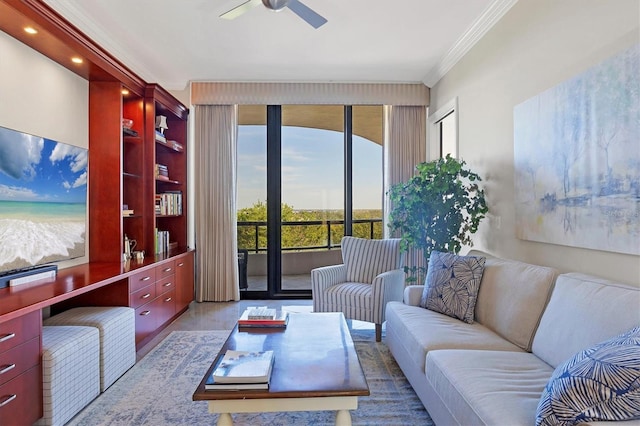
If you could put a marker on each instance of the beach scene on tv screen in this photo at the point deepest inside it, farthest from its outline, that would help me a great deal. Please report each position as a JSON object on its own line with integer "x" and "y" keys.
{"x": 43, "y": 200}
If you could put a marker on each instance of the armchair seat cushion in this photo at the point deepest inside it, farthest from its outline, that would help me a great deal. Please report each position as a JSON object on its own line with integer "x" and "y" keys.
{"x": 353, "y": 299}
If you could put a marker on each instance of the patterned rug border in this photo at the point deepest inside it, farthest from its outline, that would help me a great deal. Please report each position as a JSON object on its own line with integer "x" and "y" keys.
{"x": 158, "y": 389}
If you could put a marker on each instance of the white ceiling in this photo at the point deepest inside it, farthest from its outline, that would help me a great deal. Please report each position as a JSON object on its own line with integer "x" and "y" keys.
{"x": 172, "y": 42}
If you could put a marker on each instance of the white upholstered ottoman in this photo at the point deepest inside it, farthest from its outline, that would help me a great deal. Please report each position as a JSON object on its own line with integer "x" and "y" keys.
{"x": 117, "y": 337}
{"x": 70, "y": 371}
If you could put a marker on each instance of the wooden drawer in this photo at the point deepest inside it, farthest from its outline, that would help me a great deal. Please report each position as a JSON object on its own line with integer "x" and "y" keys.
{"x": 167, "y": 268}
{"x": 165, "y": 284}
{"x": 142, "y": 296}
{"x": 19, "y": 330}
{"x": 167, "y": 307}
{"x": 142, "y": 279}
{"x": 21, "y": 398}
{"x": 146, "y": 321}
{"x": 19, "y": 359}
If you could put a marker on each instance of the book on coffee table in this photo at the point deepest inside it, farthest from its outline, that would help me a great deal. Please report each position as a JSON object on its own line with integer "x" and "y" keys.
{"x": 261, "y": 313}
{"x": 211, "y": 384}
{"x": 279, "y": 320}
{"x": 238, "y": 367}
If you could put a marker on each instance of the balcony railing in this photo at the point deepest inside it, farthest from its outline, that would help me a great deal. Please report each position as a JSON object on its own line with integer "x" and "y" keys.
{"x": 256, "y": 248}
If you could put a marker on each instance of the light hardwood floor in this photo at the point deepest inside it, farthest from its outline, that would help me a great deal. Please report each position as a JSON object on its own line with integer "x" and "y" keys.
{"x": 223, "y": 316}
{"x": 216, "y": 316}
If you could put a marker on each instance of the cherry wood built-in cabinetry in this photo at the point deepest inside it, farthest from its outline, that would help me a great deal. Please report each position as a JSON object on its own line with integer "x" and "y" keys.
{"x": 121, "y": 172}
{"x": 20, "y": 369}
{"x": 171, "y": 152}
{"x": 159, "y": 290}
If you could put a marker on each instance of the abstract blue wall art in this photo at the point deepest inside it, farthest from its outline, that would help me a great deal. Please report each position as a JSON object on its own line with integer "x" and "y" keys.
{"x": 577, "y": 159}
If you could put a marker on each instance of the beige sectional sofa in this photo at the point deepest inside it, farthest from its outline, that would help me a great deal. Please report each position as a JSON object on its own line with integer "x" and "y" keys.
{"x": 528, "y": 320}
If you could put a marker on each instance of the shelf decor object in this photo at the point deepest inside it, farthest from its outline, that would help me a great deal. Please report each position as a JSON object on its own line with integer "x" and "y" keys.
{"x": 161, "y": 123}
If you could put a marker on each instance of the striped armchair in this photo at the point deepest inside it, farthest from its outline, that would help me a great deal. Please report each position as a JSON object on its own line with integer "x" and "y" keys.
{"x": 371, "y": 275}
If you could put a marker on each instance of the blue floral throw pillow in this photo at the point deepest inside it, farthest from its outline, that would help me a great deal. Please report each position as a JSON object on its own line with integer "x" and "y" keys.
{"x": 599, "y": 383}
{"x": 452, "y": 285}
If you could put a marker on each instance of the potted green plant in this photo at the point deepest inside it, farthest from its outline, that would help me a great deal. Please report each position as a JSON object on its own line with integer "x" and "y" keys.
{"x": 439, "y": 208}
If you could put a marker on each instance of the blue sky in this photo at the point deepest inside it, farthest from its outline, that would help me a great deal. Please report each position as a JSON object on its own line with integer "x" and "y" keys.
{"x": 37, "y": 169}
{"x": 312, "y": 169}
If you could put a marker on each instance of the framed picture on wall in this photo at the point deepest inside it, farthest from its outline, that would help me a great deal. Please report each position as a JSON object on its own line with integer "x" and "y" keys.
{"x": 577, "y": 162}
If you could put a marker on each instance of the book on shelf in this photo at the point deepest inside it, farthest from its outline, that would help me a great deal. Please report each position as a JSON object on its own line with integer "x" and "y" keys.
{"x": 175, "y": 145}
{"x": 279, "y": 319}
{"x": 168, "y": 203}
{"x": 242, "y": 367}
{"x": 129, "y": 132}
{"x": 161, "y": 241}
{"x": 160, "y": 137}
{"x": 161, "y": 172}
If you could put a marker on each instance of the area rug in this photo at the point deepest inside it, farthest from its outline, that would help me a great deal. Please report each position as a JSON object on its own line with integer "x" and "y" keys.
{"x": 158, "y": 389}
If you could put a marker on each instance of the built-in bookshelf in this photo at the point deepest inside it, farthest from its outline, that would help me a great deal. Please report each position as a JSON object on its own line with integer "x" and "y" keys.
{"x": 170, "y": 166}
{"x": 116, "y": 170}
{"x": 125, "y": 174}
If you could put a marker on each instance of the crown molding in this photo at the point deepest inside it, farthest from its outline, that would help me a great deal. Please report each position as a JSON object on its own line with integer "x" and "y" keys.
{"x": 491, "y": 15}
{"x": 73, "y": 13}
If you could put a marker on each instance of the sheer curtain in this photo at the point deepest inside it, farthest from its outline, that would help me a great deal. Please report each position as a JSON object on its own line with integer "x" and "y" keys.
{"x": 405, "y": 146}
{"x": 215, "y": 140}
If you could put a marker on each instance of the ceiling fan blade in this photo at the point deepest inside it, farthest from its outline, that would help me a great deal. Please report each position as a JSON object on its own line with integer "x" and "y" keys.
{"x": 239, "y": 10}
{"x": 303, "y": 11}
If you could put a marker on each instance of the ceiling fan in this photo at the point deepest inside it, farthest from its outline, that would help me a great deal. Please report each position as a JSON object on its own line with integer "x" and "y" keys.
{"x": 311, "y": 17}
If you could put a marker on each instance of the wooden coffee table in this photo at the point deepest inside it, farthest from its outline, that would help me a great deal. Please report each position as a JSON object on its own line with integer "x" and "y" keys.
{"x": 316, "y": 368}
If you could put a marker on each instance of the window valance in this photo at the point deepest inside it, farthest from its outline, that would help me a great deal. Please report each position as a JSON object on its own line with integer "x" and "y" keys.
{"x": 245, "y": 93}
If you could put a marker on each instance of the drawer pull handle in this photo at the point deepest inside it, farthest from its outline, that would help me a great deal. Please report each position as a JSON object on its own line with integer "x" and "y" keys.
{"x": 166, "y": 284}
{"x": 167, "y": 270}
{"x": 145, "y": 313}
{"x": 181, "y": 264}
{"x": 7, "y": 337}
{"x": 146, "y": 296}
{"x": 7, "y": 368}
{"x": 168, "y": 299}
{"x": 8, "y": 400}
{"x": 145, "y": 279}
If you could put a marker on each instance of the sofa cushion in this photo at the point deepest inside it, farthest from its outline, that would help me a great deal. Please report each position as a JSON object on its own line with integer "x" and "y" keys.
{"x": 512, "y": 297}
{"x": 488, "y": 387}
{"x": 365, "y": 259}
{"x": 452, "y": 285}
{"x": 583, "y": 311}
{"x": 599, "y": 383}
{"x": 420, "y": 330}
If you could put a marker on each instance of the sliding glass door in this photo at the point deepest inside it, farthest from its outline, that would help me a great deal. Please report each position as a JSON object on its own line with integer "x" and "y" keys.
{"x": 296, "y": 189}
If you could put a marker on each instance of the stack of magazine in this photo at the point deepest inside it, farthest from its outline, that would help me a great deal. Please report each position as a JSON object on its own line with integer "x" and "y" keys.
{"x": 263, "y": 317}
{"x": 240, "y": 370}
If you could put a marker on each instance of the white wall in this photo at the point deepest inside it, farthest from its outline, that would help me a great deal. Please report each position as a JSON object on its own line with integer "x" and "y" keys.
{"x": 40, "y": 97}
{"x": 537, "y": 44}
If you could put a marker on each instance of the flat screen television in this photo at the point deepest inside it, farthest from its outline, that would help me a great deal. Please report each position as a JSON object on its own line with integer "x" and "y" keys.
{"x": 43, "y": 201}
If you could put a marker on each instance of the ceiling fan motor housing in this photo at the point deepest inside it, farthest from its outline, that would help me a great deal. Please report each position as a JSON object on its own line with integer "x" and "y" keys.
{"x": 275, "y": 4}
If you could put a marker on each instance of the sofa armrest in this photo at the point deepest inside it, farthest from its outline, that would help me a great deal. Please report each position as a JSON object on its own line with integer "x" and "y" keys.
{"x": 386, "y": 287}
{"x": 413, "y": 294}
